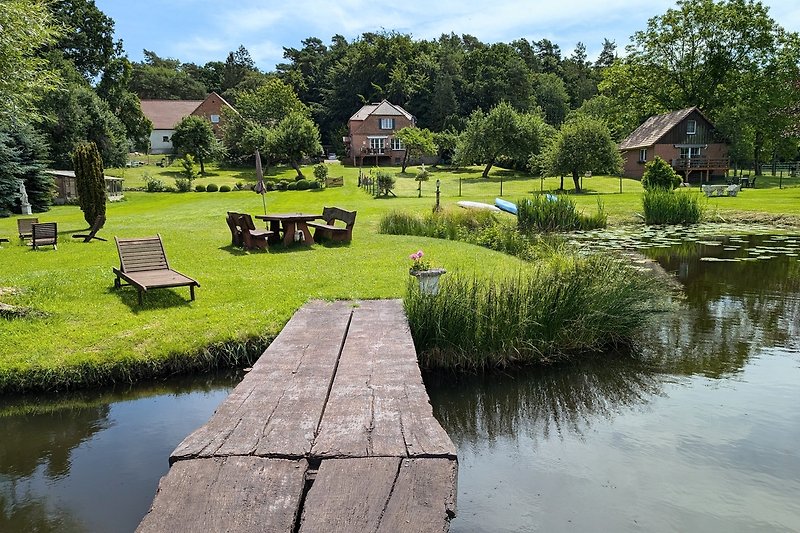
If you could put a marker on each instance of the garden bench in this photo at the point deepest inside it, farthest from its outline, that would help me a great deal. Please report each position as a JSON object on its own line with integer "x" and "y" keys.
{"x": 44, "y": 234}
{"x": 143, "y": 264}
{"x": 328, "y": 230}
{"x": 334, "y": 182}
{"x": 252, "y": 237}
{"x": 98, "y": 224}
{"x": 25, "y": 227}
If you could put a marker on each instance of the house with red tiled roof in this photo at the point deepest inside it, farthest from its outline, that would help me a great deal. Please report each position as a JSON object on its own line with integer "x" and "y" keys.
{"x": 685, "y": 138}
{"x": 165, "y": 114}
{"x": 371, "y": 133}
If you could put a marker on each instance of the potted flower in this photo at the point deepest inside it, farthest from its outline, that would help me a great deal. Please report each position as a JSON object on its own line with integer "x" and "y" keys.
{"x": 427, "y": 276}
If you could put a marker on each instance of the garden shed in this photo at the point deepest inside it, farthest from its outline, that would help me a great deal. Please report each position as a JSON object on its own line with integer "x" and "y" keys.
{"x": 67, "y": 189}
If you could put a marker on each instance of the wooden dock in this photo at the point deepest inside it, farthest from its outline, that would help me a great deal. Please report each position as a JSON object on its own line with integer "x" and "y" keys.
{"x": 332, "y": 430}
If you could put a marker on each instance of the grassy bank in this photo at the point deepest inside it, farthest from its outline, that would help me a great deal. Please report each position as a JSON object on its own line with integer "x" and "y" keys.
{"x": 82, "y": 332}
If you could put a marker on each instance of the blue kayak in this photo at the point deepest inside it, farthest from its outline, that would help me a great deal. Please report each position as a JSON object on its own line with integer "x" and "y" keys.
{"x": 505, "y": 205}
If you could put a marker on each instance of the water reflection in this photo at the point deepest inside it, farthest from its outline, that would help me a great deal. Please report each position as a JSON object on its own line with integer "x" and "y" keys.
{"x": 90, "y": 461}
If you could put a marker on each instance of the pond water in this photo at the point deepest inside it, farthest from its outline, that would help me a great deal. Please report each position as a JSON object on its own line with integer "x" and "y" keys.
{"x": 698, "y": 432}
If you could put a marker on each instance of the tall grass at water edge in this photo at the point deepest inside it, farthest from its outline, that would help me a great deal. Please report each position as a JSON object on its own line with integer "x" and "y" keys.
{"x": 564, "y": 306}
{"x": 663, "y": 206}
{"x": 546, "y": 213}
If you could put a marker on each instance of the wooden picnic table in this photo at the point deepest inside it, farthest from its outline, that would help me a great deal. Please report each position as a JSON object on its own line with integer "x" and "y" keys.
{"x": 290, "y": 223}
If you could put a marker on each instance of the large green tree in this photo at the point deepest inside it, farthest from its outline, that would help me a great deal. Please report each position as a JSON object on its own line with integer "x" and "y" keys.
{"x": 583, "y": 144}
{"x": 417, "y": 141}
{"x": 88, "y": 37}
{"x": 164, "y": 78}
{"x": 295, "y": 137}
{"x": 503, "y": 132}
{"x": 26, "y": 26}
{"x": 193, "y": 135}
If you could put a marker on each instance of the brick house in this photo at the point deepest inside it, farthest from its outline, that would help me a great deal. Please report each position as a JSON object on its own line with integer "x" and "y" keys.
{"x": 686, "y": 139}
{"x": 371, "y": 133}
{"x": 165, "y": 114}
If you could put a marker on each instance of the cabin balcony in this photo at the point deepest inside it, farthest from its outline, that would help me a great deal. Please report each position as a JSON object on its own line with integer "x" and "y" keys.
{"x": 700, "y": 163}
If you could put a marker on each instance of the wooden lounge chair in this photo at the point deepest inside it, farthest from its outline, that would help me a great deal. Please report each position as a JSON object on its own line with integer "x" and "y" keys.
{"x": 25, "y": 227}
{"x": 330, "y": 231}
{"x": 143, "y": 264}
{"x": 44, "y": 234}
{"x": 236, "y": 231}
{"x": 252, "y": 237}
{"x": 99, "y": 222}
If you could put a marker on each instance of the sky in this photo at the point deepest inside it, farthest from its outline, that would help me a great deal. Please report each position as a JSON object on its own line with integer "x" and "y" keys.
{"x": 199, "y": 31}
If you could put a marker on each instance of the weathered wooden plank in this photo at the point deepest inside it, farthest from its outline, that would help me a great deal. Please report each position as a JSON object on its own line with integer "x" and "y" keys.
{"x": 276, "y": 409}
{"x": 378, "y": 405}
{"x": 349, "y": 495}
{"x": 228, "y": 494}
{"x": 423, "y": 498}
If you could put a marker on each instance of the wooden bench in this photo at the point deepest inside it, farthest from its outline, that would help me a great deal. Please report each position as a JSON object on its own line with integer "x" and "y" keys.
{"x": 328, "y": 230}
{"x": 144, "y": 265}
{"x": 335, "y": 182}
{"x": 98, "y": 224}
{"x": 25, "y": 227}
{"x": 44, "y": 234}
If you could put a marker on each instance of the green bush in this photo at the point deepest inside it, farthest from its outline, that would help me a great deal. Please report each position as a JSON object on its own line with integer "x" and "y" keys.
{"x": 182, "y": 185}
{"x": 303, "y": 185}
{"x": 665, "y": 206}
{"x": 282, "y": 185}
{"x": 152, "y": 184}
{"x": 567, "y": 305}
{"x": 224, "y": 188}
{"x": 547, "y": 213}
{"x": 320, "y": 172}
{"x": 199, "y": 188}
{"x": 239, "y": 186}
{"x": 658, "y": 174}
{"x": 212, "y": 187}
{"x": 292, "y": 186}
{"x": 386, "y": 182}
{"x": 315, "y": 185}
{"x": 269, "y": 185}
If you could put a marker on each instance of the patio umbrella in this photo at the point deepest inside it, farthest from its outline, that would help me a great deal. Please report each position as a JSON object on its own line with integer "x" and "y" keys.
{"x": 260, "y": 188}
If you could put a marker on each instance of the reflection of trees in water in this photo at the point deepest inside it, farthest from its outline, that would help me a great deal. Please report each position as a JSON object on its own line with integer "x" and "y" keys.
{"x": 32, "y": 514}
{"x": 539, "y": 402}
{"x": 732, "y": 310}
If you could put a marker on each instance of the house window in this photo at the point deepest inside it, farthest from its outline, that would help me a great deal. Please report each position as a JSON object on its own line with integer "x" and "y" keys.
{"x": 377, "y": 144}
{"x": 397, "y": 144}
{"x": 688, "y": 152}
{"x": 165, "y": 139}
{"x": 214, "y": 119}
{"x": 691, "y": 127}
{"x": 642, "y": 155}
{"x": 387, "y": 123}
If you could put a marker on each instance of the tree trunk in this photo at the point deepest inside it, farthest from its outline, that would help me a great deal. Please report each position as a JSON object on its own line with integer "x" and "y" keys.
{"x": 488, "y": 167}
{"x": 577, "y": 180}
{"x": 405, "y": 162}
{"x": 202, "y": 167}
{"x": 757, "y": 146}
{"x": 561, "y": 188}
{"x": 296, "y": 166}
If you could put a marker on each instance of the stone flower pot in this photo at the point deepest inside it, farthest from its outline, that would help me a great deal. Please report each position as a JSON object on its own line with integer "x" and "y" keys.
{"x": 428, "y": 279}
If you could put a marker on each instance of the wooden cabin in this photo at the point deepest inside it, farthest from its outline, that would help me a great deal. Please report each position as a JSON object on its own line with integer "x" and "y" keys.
{"x": 686, "y": 139}
{"x": 67, "y": 189}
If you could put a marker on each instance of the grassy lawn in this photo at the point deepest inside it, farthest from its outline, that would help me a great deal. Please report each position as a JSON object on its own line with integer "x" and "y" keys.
{"x": 86, "y": 332}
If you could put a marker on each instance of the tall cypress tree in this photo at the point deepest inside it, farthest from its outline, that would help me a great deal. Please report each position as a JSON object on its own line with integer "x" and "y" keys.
{"x": 89, "y": 181}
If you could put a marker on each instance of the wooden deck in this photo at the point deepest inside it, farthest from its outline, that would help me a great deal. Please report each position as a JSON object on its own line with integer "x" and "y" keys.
{"x": 332, "y": 430}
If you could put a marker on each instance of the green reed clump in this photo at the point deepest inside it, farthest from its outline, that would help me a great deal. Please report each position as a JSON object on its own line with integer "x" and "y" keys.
{"x": 444, "y": 224}
{"x": 662, "y": 206}
{"x": 547, "y": 213}
{"x": 567, "y": 305}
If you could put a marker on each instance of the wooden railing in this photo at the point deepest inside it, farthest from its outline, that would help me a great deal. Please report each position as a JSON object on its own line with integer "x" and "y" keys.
{"x": 700, "y": 163}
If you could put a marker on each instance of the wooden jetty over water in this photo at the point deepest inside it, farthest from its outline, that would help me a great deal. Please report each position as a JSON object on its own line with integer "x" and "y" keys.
{"x": 332, "y": 430}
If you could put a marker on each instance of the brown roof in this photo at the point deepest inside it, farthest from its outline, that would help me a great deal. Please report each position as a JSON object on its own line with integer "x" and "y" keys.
{"x": 383, "y": 108}
{"x": 654, "y": 128}
{"x": 164, "y": 114}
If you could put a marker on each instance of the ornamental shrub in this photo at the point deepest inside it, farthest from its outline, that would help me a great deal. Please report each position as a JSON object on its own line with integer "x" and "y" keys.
{"x": 90, "y": 181}
{"x": 315, "y": 185}
{"x": 182, "y": 185}
{"x": 321, "y": 172}
{"x": 292, "y": 186}
{"x": 212, "y": 187}
{"x": 224, "y": 188}
{"x": 303, "y": 185}
{"x": 386, "y": 182}
{"x": 282, "y": 185}
{"x": 200, "y": 188}
{"x": 658, "y": 174}
{"x": 152, "y": 184}
{"x": 270, "y": 185}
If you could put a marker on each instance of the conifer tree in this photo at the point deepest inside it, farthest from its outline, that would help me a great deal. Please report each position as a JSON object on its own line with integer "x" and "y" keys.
{"x": 90, "y": 181}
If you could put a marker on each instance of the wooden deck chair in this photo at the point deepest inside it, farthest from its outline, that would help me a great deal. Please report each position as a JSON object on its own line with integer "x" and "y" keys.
{"x": 25, "y": 227}
{"x": 236, "y": 231}
{"x": 44, "y": 234}
{"x": 143, "y": 264}
{"x": 98, "y": 224}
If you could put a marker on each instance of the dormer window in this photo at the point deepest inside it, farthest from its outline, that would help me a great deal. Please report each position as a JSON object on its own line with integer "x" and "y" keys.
{"x": 387, "y": 123}
{"x": 691, "y": 127}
